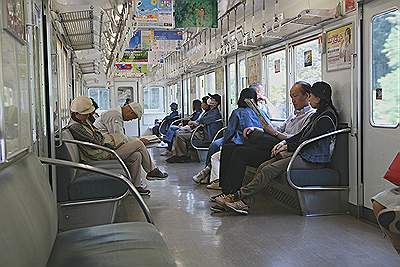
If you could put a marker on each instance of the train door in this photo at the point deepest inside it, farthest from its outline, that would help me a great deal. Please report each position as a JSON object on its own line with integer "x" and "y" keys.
{"x": 381, "y": 63}
{"x": 127, "y": 94}
{"x": 38, "y": 94}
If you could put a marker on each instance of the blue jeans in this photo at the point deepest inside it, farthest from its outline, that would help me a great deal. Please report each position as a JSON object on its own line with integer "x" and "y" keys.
{"x": 213, "y": 148}
{"x": 169, "y": 136}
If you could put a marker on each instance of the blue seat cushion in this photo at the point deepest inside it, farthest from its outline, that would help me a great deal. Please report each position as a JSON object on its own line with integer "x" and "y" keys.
{"x": 315, "y": 177}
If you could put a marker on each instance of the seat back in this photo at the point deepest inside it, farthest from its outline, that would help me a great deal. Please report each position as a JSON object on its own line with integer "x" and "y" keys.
{"x": 70, "y": 152}
{"x": 28, "y": 213}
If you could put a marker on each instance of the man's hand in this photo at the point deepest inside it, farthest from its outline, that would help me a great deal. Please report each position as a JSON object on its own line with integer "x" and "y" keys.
{"x": 144, "y": 141}
{"x": 280, "y": 147}
{"x": 248, "y": 131}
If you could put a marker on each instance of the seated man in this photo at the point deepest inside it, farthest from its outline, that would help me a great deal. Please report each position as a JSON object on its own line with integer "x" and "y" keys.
{"x": 211, "y": 123}
{"x": 133, "y": 152}
{"x": 170, "y": 135}
{"x": 258, "y": 145}
{"x": 323, "y": 121}
{"x": 240, "y": 119}
{"x": 173, "y": 115}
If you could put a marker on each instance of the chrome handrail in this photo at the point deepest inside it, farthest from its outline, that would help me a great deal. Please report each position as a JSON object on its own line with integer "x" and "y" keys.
{"x": 165, "y": 121}
{"x": 314, "y": 188}
{"x": 214, "y": 138}
{"x": 102, "y": 148}
{"x": 114, "y": 176}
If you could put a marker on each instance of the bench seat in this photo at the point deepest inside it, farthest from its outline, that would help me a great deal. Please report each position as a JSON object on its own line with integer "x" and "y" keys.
{"x": 111, "y": 245}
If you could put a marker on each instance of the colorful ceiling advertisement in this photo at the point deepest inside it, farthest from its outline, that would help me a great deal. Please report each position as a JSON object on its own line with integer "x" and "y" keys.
{"x": 130, "y": 70}
{"x": 156, "y": 40}
{"x": 154, "y": 13}
{"x": 196, "y": 13}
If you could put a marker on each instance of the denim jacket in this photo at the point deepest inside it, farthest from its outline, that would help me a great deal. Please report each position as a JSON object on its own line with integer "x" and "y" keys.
{"x": 240, "y": 119}
{"x": 321, "y": 122}
{"x": 212, "y": 122}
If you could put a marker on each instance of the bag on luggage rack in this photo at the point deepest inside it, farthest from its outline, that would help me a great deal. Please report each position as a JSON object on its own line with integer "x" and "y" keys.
{"x": 393, "y": 173}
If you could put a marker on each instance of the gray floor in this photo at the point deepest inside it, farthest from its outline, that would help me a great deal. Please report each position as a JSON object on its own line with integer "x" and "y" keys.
{"x": 268, "y": 236}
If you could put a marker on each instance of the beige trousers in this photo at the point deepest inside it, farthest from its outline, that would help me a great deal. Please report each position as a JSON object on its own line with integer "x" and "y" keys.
{"x": 135, "y": 156}
{"x": 181, "y": 144}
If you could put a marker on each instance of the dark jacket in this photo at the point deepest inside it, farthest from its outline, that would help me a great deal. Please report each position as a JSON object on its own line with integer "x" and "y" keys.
{"x": 212, "y": 121}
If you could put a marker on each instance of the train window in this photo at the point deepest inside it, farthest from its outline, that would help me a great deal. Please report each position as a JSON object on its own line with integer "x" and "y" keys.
{"x": 175, "y": 95}
{"x": 153, "y": 99}
{"x": 232, "y": 87}
{"x": 276, "y": 82}
{"x": 307, "y": 62}
{"x": 15, "y": 97}
{"x": 125, "y": 95}
{"x": 200, "y": 86}
{"x": 210, "y": 83}
{"x": 101, "y": 96}
{"x": 385, "y": 78}
{"x": 242, "y": 74}
{"x": 186, "y": 95}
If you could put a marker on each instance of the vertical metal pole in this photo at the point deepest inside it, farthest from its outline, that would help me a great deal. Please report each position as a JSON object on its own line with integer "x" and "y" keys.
{"x": 3, "y": 154}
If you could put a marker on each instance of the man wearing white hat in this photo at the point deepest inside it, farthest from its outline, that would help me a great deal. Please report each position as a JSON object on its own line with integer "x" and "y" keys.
{"x": 133, "y": 152}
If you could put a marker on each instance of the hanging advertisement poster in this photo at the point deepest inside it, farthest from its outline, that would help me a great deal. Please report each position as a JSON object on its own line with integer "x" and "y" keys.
{"x": 131, "y": 55}
{"x": 308, "y": 58}
{"x": 156, "y": 40}
{"x": 129, "y": 70}
{"x": 14, "y": 18}
{"x": 196, "y": 13}
{"x": 254, "y": 69}
{"x": 277, "y": 66}
{"x": 339, "y": 48}
{"x": 350, "y": 6}
{"x": 153, "y": 13}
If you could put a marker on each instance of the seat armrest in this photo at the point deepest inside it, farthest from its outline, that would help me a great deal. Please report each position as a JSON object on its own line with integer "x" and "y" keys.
{"x": 119, "y": 177}
{"x": 105, "y": 149}
{"x": 296, "y": 153}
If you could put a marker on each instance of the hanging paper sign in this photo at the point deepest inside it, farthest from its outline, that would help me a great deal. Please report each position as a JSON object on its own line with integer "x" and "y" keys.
{"x": 130, "y": 70}
{"x": 14, "y": 18}
{"x": 131, "y": 55}
{"x": 154, "y": 13}
{"x": 308, "y": 58}
{"x": 378, "y": 93}
{"x": 350, "y": 6}
{"x": 339, "y": 48}
{"x": 254, "y": 69}
{"x": 195, "y": 13}
{"x": 277, "y": 65}
{"x": 156, "y": 40}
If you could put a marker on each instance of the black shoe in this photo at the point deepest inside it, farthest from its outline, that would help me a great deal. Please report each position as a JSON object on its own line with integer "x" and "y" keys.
{"x": 142, "y": 191}
{"x": 156, "y": 174}
{"x": 218, "y": 208}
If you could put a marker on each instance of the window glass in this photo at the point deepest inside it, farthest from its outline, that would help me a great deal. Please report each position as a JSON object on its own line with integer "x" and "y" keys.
{"x": 385, "y": 80}
{"x": 200, "y": 86}
{"x": 210, "y": 83}
{"x": 307, "y": 62}
{"x": 276, "y": 83}
{"x": 153, "y": 99}
{"x": 232, "y": 87}
{"x": 15, "y": 94}
{"x": 242, "y": 74}
{"x": 175, "y": 95}
{"x": 125, "y": 95}
{"x": 101, "y": 96}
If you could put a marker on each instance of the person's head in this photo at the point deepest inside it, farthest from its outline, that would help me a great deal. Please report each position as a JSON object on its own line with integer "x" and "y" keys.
{"x": 347, "y": 35}
{"x": 127, "y": 101}
{"x": 132, "y": 111}
{"x": 299, "y": 94}
{"x": 204, "y": 104}
{"x": 246, "y": 93}
{"x": 196, "y": 104}
{"x": 174, "y": 106}
{"x": 94, "y": 104}
{"x": 81, "y": 108}
{"x": 214, "y": 100}
{"x": 259, "y": 87}
{"x": 321, "y": 96}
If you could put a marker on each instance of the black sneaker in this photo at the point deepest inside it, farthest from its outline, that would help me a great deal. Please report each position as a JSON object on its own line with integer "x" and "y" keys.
{"x": 177, "y": 159}
{"x": 156, "y": 174}
{"x": 218, "y": 208}
{"x": 142, "y": 191}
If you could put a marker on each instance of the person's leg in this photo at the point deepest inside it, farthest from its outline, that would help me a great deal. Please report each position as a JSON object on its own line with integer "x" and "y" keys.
{"x": 212, "y": 149}
{"x": 181, "y": 144}
{"x": 132, "y": 159}
{"x": 169, "y": 136}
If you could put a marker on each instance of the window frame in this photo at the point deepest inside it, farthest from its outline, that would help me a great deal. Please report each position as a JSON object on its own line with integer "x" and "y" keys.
{"x": 100, "y": 110}
{"x": 162, "y": 98}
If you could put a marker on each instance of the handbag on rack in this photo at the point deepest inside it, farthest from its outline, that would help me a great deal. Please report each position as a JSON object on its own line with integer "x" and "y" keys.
{"x": 393, "y": 173}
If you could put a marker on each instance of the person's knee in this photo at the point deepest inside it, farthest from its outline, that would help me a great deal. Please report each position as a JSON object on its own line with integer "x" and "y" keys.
{"x": 377, "y": 207}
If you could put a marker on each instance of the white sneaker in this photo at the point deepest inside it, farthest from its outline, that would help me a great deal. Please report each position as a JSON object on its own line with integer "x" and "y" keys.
{"x": 203, "y": 174}
{"x": 214, "y": 185}
{"x": 162, "y": 144}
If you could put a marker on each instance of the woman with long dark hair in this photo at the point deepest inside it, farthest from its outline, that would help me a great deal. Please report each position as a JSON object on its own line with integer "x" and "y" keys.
{"x": 314, "y": 155}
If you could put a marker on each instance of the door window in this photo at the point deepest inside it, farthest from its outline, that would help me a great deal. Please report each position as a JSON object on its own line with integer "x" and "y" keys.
{"x": 307, "y": 62}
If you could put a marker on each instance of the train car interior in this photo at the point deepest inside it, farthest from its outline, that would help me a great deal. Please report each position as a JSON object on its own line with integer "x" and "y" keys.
{"x": 199, "y": 133}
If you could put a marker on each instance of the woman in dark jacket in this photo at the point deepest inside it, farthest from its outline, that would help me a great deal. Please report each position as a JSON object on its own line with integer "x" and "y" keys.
{"x": 314, "y": 155}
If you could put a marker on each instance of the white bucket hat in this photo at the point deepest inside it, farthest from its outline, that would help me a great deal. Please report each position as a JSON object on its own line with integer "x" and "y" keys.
{"x": 82, "y": 105}
{"x": 137, "y": 108}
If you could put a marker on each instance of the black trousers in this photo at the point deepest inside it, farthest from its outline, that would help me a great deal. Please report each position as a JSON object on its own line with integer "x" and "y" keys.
{"x": 235, "y": 158}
